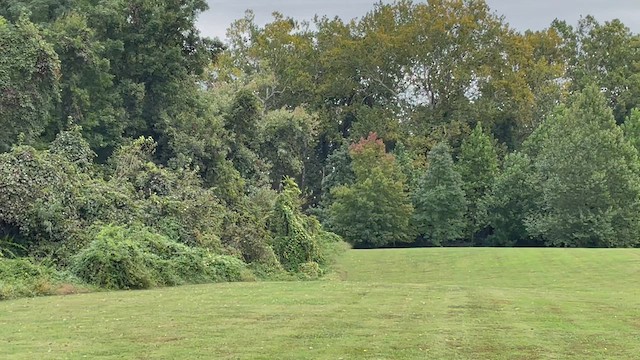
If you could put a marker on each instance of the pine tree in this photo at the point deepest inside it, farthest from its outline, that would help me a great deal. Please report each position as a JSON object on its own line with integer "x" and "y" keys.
{"x": 440, "y": 203}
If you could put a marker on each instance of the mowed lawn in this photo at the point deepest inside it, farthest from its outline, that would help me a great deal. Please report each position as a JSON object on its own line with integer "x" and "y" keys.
{"x": 379, "y": 304}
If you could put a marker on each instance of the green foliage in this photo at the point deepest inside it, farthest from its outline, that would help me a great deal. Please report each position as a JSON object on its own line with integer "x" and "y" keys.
{"x": 73, "y": 147}
{"x": 439, "y": 201}
{"x": 172, "y": 201}
{"x": 38, "y": 11}
{"x": 290, "y": 141}
{"x": 242, "y": 122}
{"x": 408, "y": 163}
{"x": 246, "y": 231}
{"x": 589, "y": 178}
{"x": 607, "y": 55}
{"x": 8, "y": 247}
{"x": 89, "y": 93}
{"x": 197, "y": 138}
{"x": 292, "y": 242}
{"x": 478, "y": 166}
{"x": 512, "y": 200}
{"x": 299, "y": 239}
{"x": 310, "y": 270}
{"x": 136, "y": 258}
{"x": 29, "y": 82}
{"x": 120, "y": 112}
{"x": 243, "y": 118}
{"x": 52, "y": 203}
{"x": 337, "y": 172}
{"x": 25, "y": 278}
{"x": 631, "y": 128}
{"x": 105, "y": 201}
{"x": 37, "y": 195}
{"x": 115, "y": 261}
{"x": 375, "y": 210}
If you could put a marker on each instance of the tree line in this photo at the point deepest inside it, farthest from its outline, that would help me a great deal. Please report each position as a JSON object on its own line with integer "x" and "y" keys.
{"x": 439, "y": 125}
{"x": 418, "y": 123}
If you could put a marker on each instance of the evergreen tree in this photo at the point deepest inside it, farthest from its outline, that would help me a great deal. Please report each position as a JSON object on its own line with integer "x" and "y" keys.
{"x": 589, "y": 177}
{"x": 375, "y": 210}
{"x": 440, "y": 203}
{"x": 478, "y": 166}
{"x": 512, "y": 199}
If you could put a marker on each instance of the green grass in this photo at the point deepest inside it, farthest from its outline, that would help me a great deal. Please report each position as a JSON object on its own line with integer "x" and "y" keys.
{"x": 380, "y": 304}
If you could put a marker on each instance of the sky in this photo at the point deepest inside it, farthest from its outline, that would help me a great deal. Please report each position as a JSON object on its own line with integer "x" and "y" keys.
{"x": 520, "y": 14}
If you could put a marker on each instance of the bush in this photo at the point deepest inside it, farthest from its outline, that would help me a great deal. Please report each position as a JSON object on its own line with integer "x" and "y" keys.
{"x": 293, "y": 242}
{"x": 331, "y": 247}
{"x": 310, "y": 270}
{"x": 37, "y": 196}
{"x": 115, "y": 261}
{"x": 136, "y": 258}
{"x": 228, "y": 268}
{"x": 24, "y": 278}
{"x": 200, "y": 266}
{"x": 271, "y": 272}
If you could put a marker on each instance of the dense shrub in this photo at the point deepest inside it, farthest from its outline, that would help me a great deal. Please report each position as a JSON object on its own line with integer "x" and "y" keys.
{"x": 245, "y": 228}
{"x": 115, "y": 261}
{"x": 227, "y": 268}
{"x": 331, "y": 247}
{"x": 170, "y": 200}
{"x": 24, "y": 278}
{"x": 292, "y": 241}
{"x": 107, "y": 202}
{"x": 310, "y": 270}
{"x": 137, "y": 258}
{"x": 73, "y": 147}
{"x": 297, "y": 238}
{"x": 37, "y": 194}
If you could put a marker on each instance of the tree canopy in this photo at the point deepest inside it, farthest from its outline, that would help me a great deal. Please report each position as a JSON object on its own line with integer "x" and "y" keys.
{"x": 417, "y": 124}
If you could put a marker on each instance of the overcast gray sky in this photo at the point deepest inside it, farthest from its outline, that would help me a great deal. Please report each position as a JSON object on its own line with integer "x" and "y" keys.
{"x": 520, "y": 14}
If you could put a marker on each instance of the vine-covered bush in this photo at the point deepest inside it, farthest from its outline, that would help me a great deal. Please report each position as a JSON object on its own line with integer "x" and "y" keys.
{"x": 298, "y": 240}
{"x": 24, "y": 278}
{"x": 114, "y": 260}
{"x": 310, "y": 270}
{"x": 292, "y": 242}
{"x": 37, "y": 196}
{"x": 136, "y": 258}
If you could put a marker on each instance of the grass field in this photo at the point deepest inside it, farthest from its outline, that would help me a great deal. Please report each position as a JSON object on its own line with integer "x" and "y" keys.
{"x": 380, "y": 304}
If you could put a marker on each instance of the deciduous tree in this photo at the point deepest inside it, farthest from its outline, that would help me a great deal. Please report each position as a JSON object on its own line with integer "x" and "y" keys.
{"x": 478, "y": 166}
{"x": 589, "y": 177}
{"x": 375, "y": 210}
{"x": 29, "y": 82}
{"x": 439, "y": 201}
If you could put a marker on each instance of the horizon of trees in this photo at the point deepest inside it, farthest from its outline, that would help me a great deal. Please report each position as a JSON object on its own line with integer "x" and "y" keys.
{"x": 418, "y": 124}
